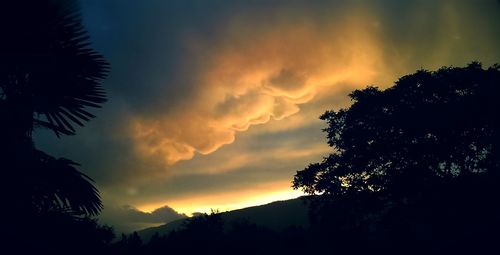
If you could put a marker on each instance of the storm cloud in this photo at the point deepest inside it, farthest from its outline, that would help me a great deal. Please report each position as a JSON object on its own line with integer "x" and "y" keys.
{"x": 212, "y": 102}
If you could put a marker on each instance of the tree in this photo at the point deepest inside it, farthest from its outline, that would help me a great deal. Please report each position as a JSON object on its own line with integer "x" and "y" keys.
{"x": 48, "y": 78}
{"x": 48, "y": 74}
{"x": 429, "y": 127}
{"x": 414, "y": 167}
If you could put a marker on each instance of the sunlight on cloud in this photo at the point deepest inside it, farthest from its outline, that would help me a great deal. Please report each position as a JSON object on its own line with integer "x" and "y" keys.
{"x": 251, "y": 78}
{"x": 251, "y": 72}
{"x": 236, "y": 159}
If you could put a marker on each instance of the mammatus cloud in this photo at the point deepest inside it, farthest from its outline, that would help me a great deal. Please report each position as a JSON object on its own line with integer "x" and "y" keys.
{"x": 251, "y": 70}
{"x": 251, "y": 78}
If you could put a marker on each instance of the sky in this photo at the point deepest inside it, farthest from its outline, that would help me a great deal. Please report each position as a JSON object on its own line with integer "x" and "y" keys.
{"x": 215, "y": 104}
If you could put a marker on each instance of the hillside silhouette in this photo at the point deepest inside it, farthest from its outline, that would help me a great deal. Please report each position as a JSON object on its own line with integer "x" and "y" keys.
{"x": 276, "y": 216}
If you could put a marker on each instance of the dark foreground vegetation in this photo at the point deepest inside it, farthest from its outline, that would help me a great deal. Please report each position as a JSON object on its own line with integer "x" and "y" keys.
{"x": 48, "y": 78}
{"x": 414, "y": 168}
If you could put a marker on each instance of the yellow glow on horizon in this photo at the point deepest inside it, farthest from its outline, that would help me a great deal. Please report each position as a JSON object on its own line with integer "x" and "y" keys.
{"x": 229, "y": 200}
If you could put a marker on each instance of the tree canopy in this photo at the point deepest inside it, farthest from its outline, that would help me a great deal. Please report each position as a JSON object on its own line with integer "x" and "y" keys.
{"x": 414, "y": 167}
{"x": 49, "y": 76}
{"x": 431, "y": 126}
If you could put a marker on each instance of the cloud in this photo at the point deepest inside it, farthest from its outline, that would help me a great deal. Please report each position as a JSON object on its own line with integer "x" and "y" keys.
{"x": 252, "y": 78}
{"x": 252, "y": 71}
{"x": 288, "y": 80}
{"x": 128, "y": 218}
{"x": 242, "y": 165}
{"x": 160, "y": 215}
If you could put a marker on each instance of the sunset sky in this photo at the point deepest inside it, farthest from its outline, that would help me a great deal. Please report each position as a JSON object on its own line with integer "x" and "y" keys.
{"x": 215, "y": 104}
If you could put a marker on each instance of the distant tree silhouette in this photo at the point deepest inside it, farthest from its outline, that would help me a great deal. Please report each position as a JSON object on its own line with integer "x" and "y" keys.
{"x": 414, "y": 166}
{"x": 134, "y": 243}
{"x": 205, "y": 224}
{"x": 214, "y": 234}
{"x": 206, "y": 230}
{"x": 157, "y": 245}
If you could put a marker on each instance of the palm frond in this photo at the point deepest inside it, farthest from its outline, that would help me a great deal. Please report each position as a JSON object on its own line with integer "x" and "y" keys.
{"x": 48, "y": 64}
{"x": 61, "y": 186}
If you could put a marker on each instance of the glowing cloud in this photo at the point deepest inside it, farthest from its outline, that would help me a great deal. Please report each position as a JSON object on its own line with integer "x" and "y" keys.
{"x": 251, "y": 78}
{"x": 252, "y": 71}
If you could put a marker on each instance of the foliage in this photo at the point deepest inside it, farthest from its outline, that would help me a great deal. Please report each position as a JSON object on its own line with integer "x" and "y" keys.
{"x": 428, "y": 127}
{"x": 414, "y": 167}
{"x": 58, "y": 233}
{"x": 56, "y": 185}
{"x": 48, "y": 76}
{"x": 210, "y": 234}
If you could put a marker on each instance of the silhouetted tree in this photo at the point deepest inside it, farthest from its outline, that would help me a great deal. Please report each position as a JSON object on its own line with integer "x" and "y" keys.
{"x": 442, "y": 124}
{"x": 121, "y": 246}
{"x": 410, "y": 162}
{"x": 199, "y": 234}
{"x": 156, "y": 244}
{"x": 134, "y": 243}
{"x": 48, "y": 76}
{"x": 249, "y": 238}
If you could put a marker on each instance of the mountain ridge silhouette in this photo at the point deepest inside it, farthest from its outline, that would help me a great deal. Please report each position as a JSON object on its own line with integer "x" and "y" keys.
{"x": 278, "y": 216}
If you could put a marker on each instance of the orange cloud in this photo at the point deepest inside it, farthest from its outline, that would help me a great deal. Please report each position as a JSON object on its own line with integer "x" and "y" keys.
{"x": 237, "y": 158}
{"x": 250, "y": 78}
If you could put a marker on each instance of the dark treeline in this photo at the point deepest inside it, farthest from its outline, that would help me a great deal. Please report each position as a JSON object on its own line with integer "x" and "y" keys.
{"x": 413, "y": 169}
{"x": 210, "y": 234}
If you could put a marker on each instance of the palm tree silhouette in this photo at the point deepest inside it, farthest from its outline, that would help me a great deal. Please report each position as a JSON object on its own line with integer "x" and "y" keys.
{"x": 49, "y": 76}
